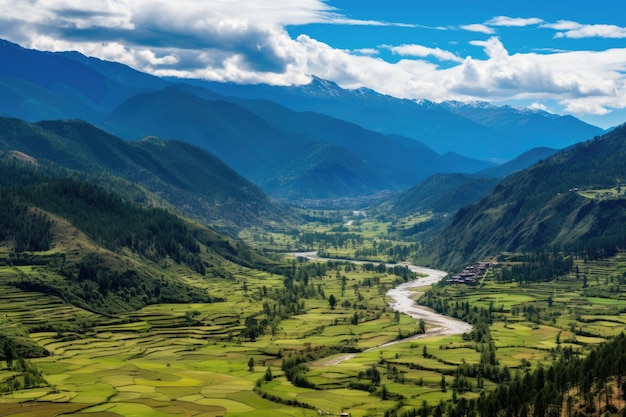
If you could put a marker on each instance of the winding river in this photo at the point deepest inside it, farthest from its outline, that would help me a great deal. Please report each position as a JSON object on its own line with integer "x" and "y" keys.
{"x": 402, "y": 300}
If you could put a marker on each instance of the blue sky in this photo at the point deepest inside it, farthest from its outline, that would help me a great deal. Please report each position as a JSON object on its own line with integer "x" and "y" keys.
{"x": 551, "y": 55}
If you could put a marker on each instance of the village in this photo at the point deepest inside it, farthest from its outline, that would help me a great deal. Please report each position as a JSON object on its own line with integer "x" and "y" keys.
{"x": 472, "y": 274}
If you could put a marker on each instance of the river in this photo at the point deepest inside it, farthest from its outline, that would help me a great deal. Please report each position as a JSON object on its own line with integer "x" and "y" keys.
{"x": 402, "y": 300}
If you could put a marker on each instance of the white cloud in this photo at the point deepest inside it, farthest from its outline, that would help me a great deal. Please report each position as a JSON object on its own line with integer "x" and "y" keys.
{"x": 575, "y": 30}
{"x": 366, "y": 51}
{"x": 423, "y": 52}
{"x": 246, "y": 42}
{"x": 493, "y": 48}
{"x": 159, "y": 34}
{"x": 68, "y": 13}
{"x": 592, "y": 31}
{"x": 583, "y": 81}
{"x": 538, "y": 106}
{"x": 480, "y": 28}
{"x": 562, "y": 25}
{"x": 513, "y": 21}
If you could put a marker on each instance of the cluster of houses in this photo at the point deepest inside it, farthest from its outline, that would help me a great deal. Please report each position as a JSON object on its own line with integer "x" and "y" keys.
{"x": 472, "y": 273}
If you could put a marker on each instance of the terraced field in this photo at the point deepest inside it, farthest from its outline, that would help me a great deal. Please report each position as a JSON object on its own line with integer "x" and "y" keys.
{"x": 189, "y": 360}
{"x": 148, "y": 363}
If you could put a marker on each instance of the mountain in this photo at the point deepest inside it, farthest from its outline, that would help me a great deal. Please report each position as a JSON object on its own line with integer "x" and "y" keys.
{"x": 372, "y": 111}
{"x": 238, "y": 137}
{"x": 572, "y": 201}
{"x": 121, "y": 74}
{"x": 262, "y": 140}
{"x": 402, "y": 161}
{"x": 324, "y": 171}
{"x": 522, "y": 129}
{"x": 524, "y": 160}
{"x": 442, "y": 193}
{"x": 37, "y": 85}
{"x": 446, "y": 193}
{"x": 476, "y": 130}
{"x": 184, "y": 175}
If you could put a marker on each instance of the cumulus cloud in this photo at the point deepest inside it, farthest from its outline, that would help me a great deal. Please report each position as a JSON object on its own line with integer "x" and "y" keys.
{"x": 366, "y": 51}
{"x": 423, "y": 52}
{"x": 247, "y": 43}
{"x": 513, "y": 21}
{"x": 582, "y": 81}
{"x": 538, "y": 106}
{"x": 160, "y": 34}
{"x": 575, "y": 30}
{"x": 68, "y": 13}
{"x": 478, "y": 27}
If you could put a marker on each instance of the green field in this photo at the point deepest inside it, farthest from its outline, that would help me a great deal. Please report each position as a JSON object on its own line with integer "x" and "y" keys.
{"x": 157, "y": 362}
{"x": 197, "y": 359}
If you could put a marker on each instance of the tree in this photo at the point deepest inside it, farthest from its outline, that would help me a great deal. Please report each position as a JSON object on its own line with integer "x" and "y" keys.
{"x": 384, "y": 392}
{"x": 373, "y": 373}
{"x": 251, "y": 365}
{"x": 9, "y": 354}
{"x": 268, "y": 375}
{"x": 332, "y": 301}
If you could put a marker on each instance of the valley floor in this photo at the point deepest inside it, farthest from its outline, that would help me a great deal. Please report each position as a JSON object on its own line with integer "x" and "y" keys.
{"x": 198, "y": 360}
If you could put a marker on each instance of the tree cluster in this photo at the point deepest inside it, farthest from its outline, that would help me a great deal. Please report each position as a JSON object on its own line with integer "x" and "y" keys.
{"x": 23, "y": 228}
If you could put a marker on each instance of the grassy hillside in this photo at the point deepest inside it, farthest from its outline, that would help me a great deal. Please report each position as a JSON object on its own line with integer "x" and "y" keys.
{"x": 548, "y": 207}
{"x": 100, "y": 252}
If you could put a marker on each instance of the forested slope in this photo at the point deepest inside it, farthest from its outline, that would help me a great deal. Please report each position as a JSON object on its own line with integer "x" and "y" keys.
{"x": 550, "y": 206}
{"x": 187, "y": 177}
{"x": 99, "y": 251}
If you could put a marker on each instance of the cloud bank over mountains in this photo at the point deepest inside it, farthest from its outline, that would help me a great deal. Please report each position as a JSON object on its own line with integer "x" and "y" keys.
{"x": 250, "y": 42}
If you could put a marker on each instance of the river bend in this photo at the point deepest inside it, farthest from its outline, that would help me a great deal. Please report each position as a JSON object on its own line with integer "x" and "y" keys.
{"x": 402, "y": 300}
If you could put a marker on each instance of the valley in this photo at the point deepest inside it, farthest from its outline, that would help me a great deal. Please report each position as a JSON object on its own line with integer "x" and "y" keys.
{"x": 201, "y": 359}
{"x": 177, "y": 247}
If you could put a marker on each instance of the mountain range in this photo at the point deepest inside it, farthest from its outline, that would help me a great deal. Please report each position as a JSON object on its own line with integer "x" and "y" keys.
{"x": 308, "y": 142}
{"x": 477, "y": 130}
{"x": 212, "y": 151}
